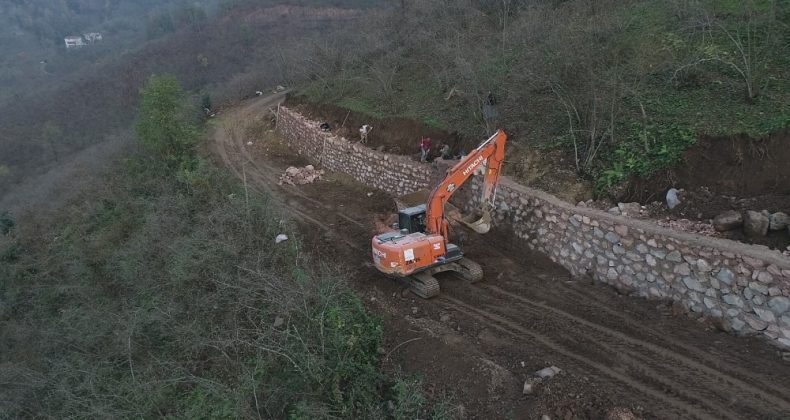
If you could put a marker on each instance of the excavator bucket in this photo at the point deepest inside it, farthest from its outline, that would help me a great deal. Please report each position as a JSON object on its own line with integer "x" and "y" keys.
{"x": 478, "y": 223}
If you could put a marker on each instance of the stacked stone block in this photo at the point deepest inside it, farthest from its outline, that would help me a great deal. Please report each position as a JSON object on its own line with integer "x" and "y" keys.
{"x": 398, "y": 175}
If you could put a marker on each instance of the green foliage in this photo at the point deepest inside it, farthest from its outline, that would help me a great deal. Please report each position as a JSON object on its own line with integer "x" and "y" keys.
{"x": 175, "y": 301}
{"x": 205, "y": 403}
{"x": 624, "y": 65}
{"x": 431, "y": 122}
{"x": 164, "y": 123}
{"x": 408, "y": 399}
{"x": 645, "y": 150}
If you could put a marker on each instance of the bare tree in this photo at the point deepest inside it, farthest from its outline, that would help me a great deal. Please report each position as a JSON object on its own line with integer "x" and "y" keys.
{"x": 743, "y": 47}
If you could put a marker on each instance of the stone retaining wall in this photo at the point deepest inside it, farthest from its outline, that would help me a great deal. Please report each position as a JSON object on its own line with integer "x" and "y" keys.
{"x": 746, "y": 286}
{"x": 397, "y": 175}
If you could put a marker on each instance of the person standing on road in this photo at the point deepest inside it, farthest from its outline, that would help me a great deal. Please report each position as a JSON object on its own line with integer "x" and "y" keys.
{"x": 425, "y": 148}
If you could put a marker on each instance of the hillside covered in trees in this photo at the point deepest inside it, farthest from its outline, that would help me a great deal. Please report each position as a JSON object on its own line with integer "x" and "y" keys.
{"x": 154, "y": 288}
{"x": 624, "y": 87}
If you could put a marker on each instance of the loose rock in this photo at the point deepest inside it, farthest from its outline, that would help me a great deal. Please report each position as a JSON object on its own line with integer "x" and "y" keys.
{"x": 729, "y": 220}
{"x": 301, "y": 176}
{"x": 621, "y": 413}
{"x": 531, "y": 384}
{"x": 755, "y": 224}
{"x": 548, "y": 373}
{"x": 539, "y": 377}
{"x": 629, "y": 209}
{"x": 778, "y": 221}
{"x": 672, "y": 198}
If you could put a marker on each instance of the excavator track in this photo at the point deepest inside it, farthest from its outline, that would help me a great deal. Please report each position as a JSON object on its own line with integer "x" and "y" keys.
{"x": 424, "y": 285}
{"x": 472, "y": 272}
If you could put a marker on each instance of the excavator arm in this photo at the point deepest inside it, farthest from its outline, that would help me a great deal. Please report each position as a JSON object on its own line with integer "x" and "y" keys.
{"x": 491, "y": 154}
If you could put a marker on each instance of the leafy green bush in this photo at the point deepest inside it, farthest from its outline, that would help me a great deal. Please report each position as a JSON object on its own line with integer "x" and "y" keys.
{"x": 174, "y": 300}
{"x": 645, "y": 151}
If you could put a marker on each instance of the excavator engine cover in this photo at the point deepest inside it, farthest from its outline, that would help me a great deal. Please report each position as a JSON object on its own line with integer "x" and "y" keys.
{"x": 401, "y": 254}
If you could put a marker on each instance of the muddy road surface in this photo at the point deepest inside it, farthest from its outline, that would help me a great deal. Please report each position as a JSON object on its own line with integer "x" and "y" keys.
{"x": 475, "y": 345}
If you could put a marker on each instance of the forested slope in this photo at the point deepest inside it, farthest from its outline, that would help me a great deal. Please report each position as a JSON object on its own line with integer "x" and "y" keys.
{"x": 623, "y": 86}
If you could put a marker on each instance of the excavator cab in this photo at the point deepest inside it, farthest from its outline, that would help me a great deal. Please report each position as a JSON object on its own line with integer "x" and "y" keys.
{"x": 412, "y": 219}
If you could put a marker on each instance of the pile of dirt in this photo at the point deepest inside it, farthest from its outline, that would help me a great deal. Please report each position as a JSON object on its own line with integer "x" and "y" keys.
{"x": 301, "y": 176}
{"x": 392, "y": 135}
{"x": 382, "y": 223}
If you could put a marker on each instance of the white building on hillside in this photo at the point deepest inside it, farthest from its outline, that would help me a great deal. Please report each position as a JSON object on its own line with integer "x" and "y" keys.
{"x": 74, "y": 41}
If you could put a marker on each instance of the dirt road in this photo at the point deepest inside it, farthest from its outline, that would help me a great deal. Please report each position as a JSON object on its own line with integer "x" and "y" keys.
{"x": 476, "y": 344}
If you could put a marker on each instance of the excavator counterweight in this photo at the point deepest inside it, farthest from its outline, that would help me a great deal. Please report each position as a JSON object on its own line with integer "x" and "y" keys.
{"x": 419, "y": 248}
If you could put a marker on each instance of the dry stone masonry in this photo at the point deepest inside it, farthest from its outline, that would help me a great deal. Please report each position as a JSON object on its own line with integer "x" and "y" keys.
{"x": 397, "y": 175}
{"x": 746, "y": 286}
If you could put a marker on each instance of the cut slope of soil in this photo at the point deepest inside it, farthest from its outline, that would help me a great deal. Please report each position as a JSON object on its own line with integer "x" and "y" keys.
{"x": 740, "y": 166}
{"x": 392, "y": 135}
{"x": 720, "y": 174}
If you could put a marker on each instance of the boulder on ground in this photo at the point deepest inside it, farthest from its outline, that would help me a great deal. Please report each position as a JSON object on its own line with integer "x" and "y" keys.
{"x": 755, "y": 224}
{"x": 779, "y": 221}
{"x": 729, "y": 220}
{"x": 539, "y": 377}
{"x": 672, "y": 198}
{"x": 301, "y": 176}
{"x": 629, "y": 209}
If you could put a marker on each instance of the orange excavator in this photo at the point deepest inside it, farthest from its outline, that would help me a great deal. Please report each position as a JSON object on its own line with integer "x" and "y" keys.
{"x": 419, "y": 247}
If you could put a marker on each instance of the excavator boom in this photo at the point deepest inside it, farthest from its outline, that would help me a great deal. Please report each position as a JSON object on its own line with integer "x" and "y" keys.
{"x": 491, "y": 154}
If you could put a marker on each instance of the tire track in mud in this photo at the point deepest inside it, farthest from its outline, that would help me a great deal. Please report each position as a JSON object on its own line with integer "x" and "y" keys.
{"x": 689, "y": 388}
{"x": 508, "y": 327}
{"x": 262, "y": 181}
{"x": 662, "y": 365}
{"x": 717, "y": 362}
{"x": 771, "y": 392}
